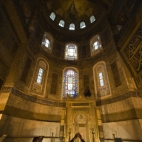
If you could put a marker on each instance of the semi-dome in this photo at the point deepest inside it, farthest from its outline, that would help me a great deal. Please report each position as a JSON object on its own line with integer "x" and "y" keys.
{"x": 78, "y": 23}
{"x": 75, "y": 18}
{"x": 75, "y": 15}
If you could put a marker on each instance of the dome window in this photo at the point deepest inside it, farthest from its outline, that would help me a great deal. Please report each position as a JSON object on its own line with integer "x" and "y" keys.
{"x": 72, "y": 26}
{"x": 92, "y": 19}
{"x": 82, "y": 25}
{"x": 62, "y": 23}
{"x": 52, "y": 16}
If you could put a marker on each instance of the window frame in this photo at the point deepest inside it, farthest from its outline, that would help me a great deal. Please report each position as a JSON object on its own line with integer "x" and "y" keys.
{"x": 95, "y": 48}
{"x": 68, "y": 74}
{"x": 40, "y": 76}
{"x": 49, "y": 38}
{"x": 101, "y": 90}
{"x": 75, "y": 51}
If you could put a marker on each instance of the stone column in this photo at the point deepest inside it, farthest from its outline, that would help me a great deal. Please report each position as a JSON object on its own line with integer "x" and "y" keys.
{"x": 62, "y": 123}
{"x": 100, "y": 127}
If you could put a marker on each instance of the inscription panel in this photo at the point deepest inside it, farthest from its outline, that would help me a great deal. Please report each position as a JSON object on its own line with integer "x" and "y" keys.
{"x": 133, "y": 51}
{"x": 133, "y": 54}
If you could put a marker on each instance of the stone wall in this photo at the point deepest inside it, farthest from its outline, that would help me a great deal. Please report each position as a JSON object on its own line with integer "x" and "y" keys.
{"x": 23, "y": 130}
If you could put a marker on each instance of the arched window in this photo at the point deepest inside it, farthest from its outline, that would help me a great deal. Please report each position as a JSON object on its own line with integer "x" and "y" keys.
{"x": 95, "y": 45}
{"x": 62, "y": 23}
{"x": 39, "y": 77}
{"x": 92, "y": 19}
{"x": 72, "y": 26}
{"x": 71, "y": 52}
{"x": 47, "y": 42}
{"x": 101, "y": 78}
{"x": 52, "y": 16}
{"x": 82, "y": 25}
{"x": 70, "y": 83}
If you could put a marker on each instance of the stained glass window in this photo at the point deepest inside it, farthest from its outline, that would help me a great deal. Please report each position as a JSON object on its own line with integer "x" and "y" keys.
{"x": 72, "y": 26}
{"x": 40, "y": 75}
{"x": 82, "y": 25}
{"x": 52, "y": 16}
{"x": 70, "y": 83}
{"x": 92, "y": 19}
{"x": 71, "y": 52}
{"x": 62, "y": 23}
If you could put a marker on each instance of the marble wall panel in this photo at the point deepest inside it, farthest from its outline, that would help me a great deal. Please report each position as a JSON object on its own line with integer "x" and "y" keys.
{"x": 137, "y": 102}
{"x": 140, "y": 121}
{"x": 24, "y": 104}
{"x": 22, "y": 128}
{"x": 116, "y": 107}
{"x": 125, "y": 129}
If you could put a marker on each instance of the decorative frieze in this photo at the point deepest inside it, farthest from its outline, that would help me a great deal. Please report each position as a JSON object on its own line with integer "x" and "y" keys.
{"x": 117, "y": 98}
{"x": 35, "y": 99}
{"x": 81, "y": 109}
{"x": 6, "y": 89}
{"x": 80, "y": 104}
